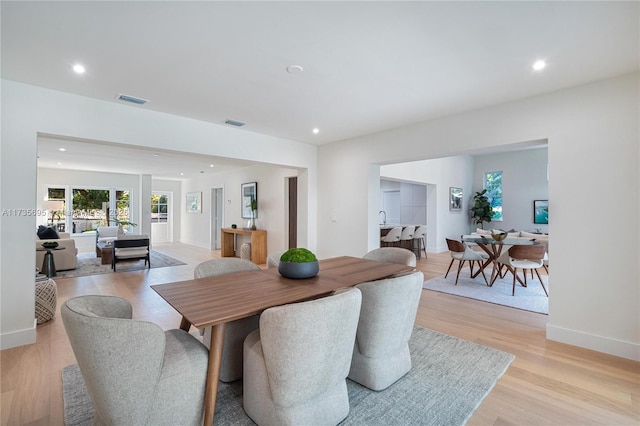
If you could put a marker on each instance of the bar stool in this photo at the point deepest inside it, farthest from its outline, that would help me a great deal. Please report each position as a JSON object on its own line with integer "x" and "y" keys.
{"x": 420, "y": 238}
{"x": 406, "y": 238}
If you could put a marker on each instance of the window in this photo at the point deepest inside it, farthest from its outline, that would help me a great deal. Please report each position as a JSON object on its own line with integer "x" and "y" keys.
{"x": 493, "y": 185}
{"x": 58, "y": 217}
{"x": 92, "y": 207}
{"x": 159, "y": 208}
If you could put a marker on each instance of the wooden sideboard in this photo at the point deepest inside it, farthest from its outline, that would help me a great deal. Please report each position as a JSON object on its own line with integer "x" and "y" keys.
{"x": 258, "y": 243}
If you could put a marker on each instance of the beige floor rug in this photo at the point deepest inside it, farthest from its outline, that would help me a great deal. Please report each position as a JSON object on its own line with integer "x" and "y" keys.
{"x": 449, "y": 379}
{"x": 89, "y": 264}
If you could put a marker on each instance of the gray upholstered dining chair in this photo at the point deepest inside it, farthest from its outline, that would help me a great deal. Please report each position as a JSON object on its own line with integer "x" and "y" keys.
{"x": 296, "y": 364}
{"x": 135, "y": 373}
{"x": 392, "y": 255}
{"x": 381, "y": 352}
{"x": 235, "y": 331}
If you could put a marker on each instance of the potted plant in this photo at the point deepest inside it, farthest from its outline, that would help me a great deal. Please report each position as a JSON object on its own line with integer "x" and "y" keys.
{"x": 298, "y": 263}
{"x": 481, "y": 211}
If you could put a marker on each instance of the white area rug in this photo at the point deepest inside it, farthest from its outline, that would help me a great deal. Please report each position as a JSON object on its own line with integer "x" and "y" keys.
{"x": 530, "y": 298}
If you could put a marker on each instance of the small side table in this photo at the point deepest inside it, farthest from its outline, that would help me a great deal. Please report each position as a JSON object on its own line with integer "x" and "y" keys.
{"x": 46, "y": 300}
{"x": 48, "y": 264}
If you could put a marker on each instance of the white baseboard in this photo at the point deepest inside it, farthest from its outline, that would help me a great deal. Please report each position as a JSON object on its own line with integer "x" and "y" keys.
{"x": 196, "y": 243}
{"x": 606, "y": 345}
{"x": 18, "y": 338}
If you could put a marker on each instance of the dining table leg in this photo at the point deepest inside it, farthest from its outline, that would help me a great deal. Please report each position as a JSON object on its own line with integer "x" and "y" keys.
{"x": 213, "y": 372}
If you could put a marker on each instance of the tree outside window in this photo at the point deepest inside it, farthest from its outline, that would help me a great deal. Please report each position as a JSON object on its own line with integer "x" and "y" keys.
{"x": 493, "y": 185}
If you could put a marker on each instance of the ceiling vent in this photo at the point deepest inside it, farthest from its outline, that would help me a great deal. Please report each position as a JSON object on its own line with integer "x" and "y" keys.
{"x": 235, "y": 123}
{"x": 132, "y": 99}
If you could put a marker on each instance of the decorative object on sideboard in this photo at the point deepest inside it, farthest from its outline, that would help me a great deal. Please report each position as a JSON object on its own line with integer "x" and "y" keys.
{"x": 298, "y": 263}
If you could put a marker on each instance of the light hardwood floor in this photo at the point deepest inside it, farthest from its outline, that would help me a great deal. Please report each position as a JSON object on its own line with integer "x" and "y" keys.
{"x": 549, "y": 383}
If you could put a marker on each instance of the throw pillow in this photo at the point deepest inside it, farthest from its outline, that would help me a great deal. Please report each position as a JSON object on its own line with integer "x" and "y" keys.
{"x": 47, "y": 233}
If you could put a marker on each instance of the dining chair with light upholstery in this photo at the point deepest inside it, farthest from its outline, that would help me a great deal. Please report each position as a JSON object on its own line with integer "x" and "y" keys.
{"x": 296, "y": 364}
{"x": 392, "y": 239}
{"x": 235, "y": 331}
{"x": 135, "y": 373}
{"x": 273, "y": 260}
{"x": 381, "y": 352}
{"x": 460, "y": 252}
{"x": 406, "y": 237}
{"x": 525, "y": 257}
{"x": 420, "y": 240}
{"x": 392, "y": 255}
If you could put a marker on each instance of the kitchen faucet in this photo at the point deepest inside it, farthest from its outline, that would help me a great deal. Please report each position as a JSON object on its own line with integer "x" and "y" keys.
{"x": 384, "y": 221}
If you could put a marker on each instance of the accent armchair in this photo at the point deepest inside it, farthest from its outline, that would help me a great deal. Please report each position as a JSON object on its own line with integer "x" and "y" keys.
{"x": 235, "y": 331}
{"x": 392, "y": 255}
{"x": 381, "y": 351}
{"x": 135, "y": 373}
{"x": 296, "y": 364}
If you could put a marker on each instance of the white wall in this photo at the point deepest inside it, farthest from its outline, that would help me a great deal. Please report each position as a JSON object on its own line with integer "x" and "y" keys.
{"x": 271, "y": 204}
{"x": 524, "y": 179}
{"x": 28, "y": 111}
{"x": 442, "y": 173}
{"x": 593, "y": 141}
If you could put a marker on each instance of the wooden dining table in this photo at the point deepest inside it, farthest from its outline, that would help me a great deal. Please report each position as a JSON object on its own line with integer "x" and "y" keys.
{"x": 215, "y": 301}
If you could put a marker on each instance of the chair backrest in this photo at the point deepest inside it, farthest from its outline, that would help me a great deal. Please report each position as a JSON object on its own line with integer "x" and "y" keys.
{"x": 392, "y": 255}
{"x": 529, "y": 252}
{"x": 273, "y": 260}
{"x": 388, "y": 313}
{"x": 407, "y": 233}
{"x": 120, "y": 358}
{"x": 307, "y": 346}
{"x": 224, "y": 265}
{"x": 455, "y": 246}
{"x": 393, "y": 234}
{"x": 109, "y": 231}
{"x": 420, "y": 231}
{"x": 131, "y": 242}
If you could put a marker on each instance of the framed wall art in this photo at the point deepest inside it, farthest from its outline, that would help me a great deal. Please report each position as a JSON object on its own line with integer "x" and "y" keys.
{"x": 455, "y": 198}
{"x": 541, "y": 211}
{"x": 194, "y": 202}
{"x": 249, "y": 197}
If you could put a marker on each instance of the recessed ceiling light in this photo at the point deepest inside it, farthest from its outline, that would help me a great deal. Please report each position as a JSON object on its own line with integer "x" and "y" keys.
{"x": 294, "y": 69}
{"x": 539, "y": 65}
{"x": 316, "y": 131}
{"x": 59, "y": 163}
{"x": 156, "y": 155}
{"x": 181, "y": 174}
{"x": 78, "y": 69}
{"x": 62, "y": 149}
{"x": 211, "y": 165}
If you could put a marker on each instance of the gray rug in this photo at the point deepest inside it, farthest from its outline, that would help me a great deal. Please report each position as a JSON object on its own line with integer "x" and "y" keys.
{"x": 529, "y": 298}
{"x": 89, "y": 264}
{"x": 449, "y": 379}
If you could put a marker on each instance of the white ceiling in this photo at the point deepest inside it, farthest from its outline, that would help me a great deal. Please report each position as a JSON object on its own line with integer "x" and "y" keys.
{"x": 368, "y": 66}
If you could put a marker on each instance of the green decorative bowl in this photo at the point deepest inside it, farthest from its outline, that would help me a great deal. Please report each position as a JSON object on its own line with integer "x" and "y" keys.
{"x": 50, "y": 244}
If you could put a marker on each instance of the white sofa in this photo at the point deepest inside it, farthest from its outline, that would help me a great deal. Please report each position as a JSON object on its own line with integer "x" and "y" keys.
{"x": 64, "y": 259}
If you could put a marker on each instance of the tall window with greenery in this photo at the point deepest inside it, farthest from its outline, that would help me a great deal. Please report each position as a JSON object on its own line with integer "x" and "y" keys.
{"x": 493, "y": 185}
{"x": 159, "y": 208}
{"x": 89, "y": 208}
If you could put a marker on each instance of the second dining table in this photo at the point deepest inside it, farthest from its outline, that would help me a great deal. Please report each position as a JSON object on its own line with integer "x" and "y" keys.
{"x": 494, "y": 249}
{"x": 215, "y": 301}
